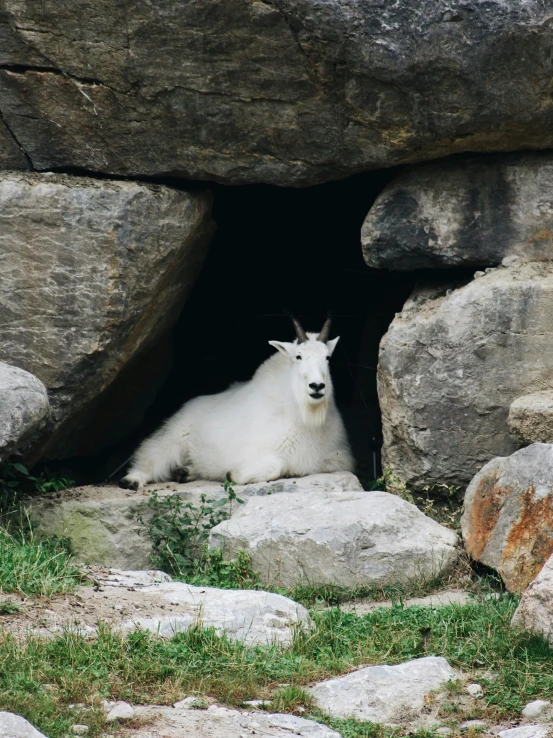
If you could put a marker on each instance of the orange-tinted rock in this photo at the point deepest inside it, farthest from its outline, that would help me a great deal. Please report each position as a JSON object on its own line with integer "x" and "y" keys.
{"x": 507, "y": 522}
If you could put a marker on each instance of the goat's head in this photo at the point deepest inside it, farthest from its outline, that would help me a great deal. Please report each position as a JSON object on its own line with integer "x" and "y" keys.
{"x": 311, "y": 383}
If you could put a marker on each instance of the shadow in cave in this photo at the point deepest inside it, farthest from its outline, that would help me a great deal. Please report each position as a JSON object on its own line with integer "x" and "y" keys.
{"x": 280, "y": 248}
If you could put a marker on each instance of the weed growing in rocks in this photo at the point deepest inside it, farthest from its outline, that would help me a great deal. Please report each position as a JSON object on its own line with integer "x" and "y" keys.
{"x": 179, "y": 532}
{"x": 16, "y": 481}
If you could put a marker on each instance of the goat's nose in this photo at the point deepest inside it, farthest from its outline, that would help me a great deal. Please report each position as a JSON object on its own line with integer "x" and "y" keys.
{"x": 317, "y": 387}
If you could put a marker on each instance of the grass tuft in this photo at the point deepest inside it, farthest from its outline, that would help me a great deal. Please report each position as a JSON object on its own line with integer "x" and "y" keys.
{"x": 35, "y": 567}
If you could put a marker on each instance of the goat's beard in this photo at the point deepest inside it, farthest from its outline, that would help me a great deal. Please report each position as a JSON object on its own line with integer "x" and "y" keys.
{"x": 314, "y": 414}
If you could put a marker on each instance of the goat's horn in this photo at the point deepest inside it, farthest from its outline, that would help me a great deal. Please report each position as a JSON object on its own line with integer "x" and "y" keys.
{"x": 325, "y": 330}
{"x": 300, "y": 333}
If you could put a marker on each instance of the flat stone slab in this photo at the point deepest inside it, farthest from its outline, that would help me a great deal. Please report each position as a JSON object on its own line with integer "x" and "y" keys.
{"x": 439, "y": 599}
{"x": 221, "y": 722}
{"x": 15, "y": 726}
{"x": 507, "y": 522}
{"x": 384, "y": 694}
{"x": 102, "y": 522}
{"x": 256, "y": 618}
{"x": 342, "y": 538}
{"x": 526, "y": 731}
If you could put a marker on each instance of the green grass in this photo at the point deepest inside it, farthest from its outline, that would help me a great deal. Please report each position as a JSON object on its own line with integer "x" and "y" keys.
{"x": 41, "y": 678}
{"x": 35, "y": 567}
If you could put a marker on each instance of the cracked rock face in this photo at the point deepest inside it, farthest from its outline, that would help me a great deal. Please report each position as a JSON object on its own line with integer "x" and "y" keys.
{"x": 531, "y": 417}
{"x": 507, "y": 521}
{"x": 451, "y": 364}
{"x": 339, "y": 538}
{"x": 23, "y": 407}
{"x": 473, "y": 212}
{"x": 93, "y": 273}
{"x": 288, "y": 92}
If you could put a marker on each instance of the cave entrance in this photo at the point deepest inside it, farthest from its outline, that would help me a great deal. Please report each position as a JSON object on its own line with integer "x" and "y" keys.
{"x": 279, "y": 248}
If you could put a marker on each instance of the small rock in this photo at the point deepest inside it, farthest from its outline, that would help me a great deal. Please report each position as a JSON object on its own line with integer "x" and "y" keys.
{"x": 479, "y": 274}
{"x": 186, "y": 704}
{"x": 15, "y": 726}
{"x": 526, "y": 731}
{"x": 536, "y": 709}
{"x": 79, "y": 729}
{"x": 121, "y": 711}
{"x": 256, "y": 703}
{"x": 475, "y": 690}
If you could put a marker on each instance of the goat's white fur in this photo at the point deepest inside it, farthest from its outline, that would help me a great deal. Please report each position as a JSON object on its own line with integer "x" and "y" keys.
{"x": 260, "y": 430}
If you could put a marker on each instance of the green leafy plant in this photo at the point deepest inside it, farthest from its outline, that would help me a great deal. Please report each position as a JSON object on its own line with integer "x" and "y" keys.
{"x": 16, "y": 480}
{"x": 211, "y": 569}
{"x": 179, "y": 531}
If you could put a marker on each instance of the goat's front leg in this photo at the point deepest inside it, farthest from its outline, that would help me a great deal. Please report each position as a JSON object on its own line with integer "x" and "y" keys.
{"x": 266, "y": 469}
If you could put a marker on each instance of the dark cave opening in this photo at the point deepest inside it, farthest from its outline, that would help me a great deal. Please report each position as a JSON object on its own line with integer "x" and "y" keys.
{"x": 274, "y": 249}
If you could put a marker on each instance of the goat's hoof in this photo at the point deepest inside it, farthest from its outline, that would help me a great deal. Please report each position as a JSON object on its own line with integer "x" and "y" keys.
{"x": 127, "y": 483}
{"x": 180, "y": 475}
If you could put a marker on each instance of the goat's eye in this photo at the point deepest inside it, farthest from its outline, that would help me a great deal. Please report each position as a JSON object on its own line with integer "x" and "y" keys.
{"x": 298, "y": 357}
{"x": 328, "y": 358}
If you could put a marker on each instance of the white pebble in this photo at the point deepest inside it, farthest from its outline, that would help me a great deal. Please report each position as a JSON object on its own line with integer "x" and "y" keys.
{"x": 121, "y": 711}
{"x": 79, "y": 729}
{"x": 475, "y": 690}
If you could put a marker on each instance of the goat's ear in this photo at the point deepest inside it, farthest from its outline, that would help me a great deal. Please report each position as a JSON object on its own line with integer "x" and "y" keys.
{"x": 283, "y": 347}
{"x": 331, "y": 345}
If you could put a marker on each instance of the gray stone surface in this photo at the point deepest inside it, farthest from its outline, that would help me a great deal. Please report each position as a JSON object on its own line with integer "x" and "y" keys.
{"x": 384, "y": 694}
{"x": 221, "y": 722}
{"x": 342, "y": 538}
{"x": 526, "y": 731}
{"x": 102, "y": 522}
{"x": 14, "y": 726}
{"x": 535, "y": 610}
{"x": 93, "y": 273}
{"x": 121, "y": 711}
{"x": 507, "y": 520}
{"x": 451, "y": 364}
{"x": 24, "y": 407}
{"x": 536, "y": 708}
{"x": 438, "y": 599}
{"x": 531, "y": 417}
{"x": 289, "y": 92}
{"x": 254, "y": 617}
{"x": 469, "y": 212}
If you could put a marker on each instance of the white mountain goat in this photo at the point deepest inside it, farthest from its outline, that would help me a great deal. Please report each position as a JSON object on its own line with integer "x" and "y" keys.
{"x": 282, "y": 423}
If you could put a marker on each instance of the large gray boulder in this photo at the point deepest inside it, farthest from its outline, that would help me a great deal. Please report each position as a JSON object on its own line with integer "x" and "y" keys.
{"x": 451, "y": 364}
{"x": 23, "y": 407}
{"x": 474, "y": 211}
{"x": 341, "y": 538}
{"x": 289, "y": 92}
{"x": 103, "y": 523}
{"x": 531, "y": 417}
{"x": 93, "y": 273}
{"x": 384, "y": 694}
{"x": 507, "y": 520}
